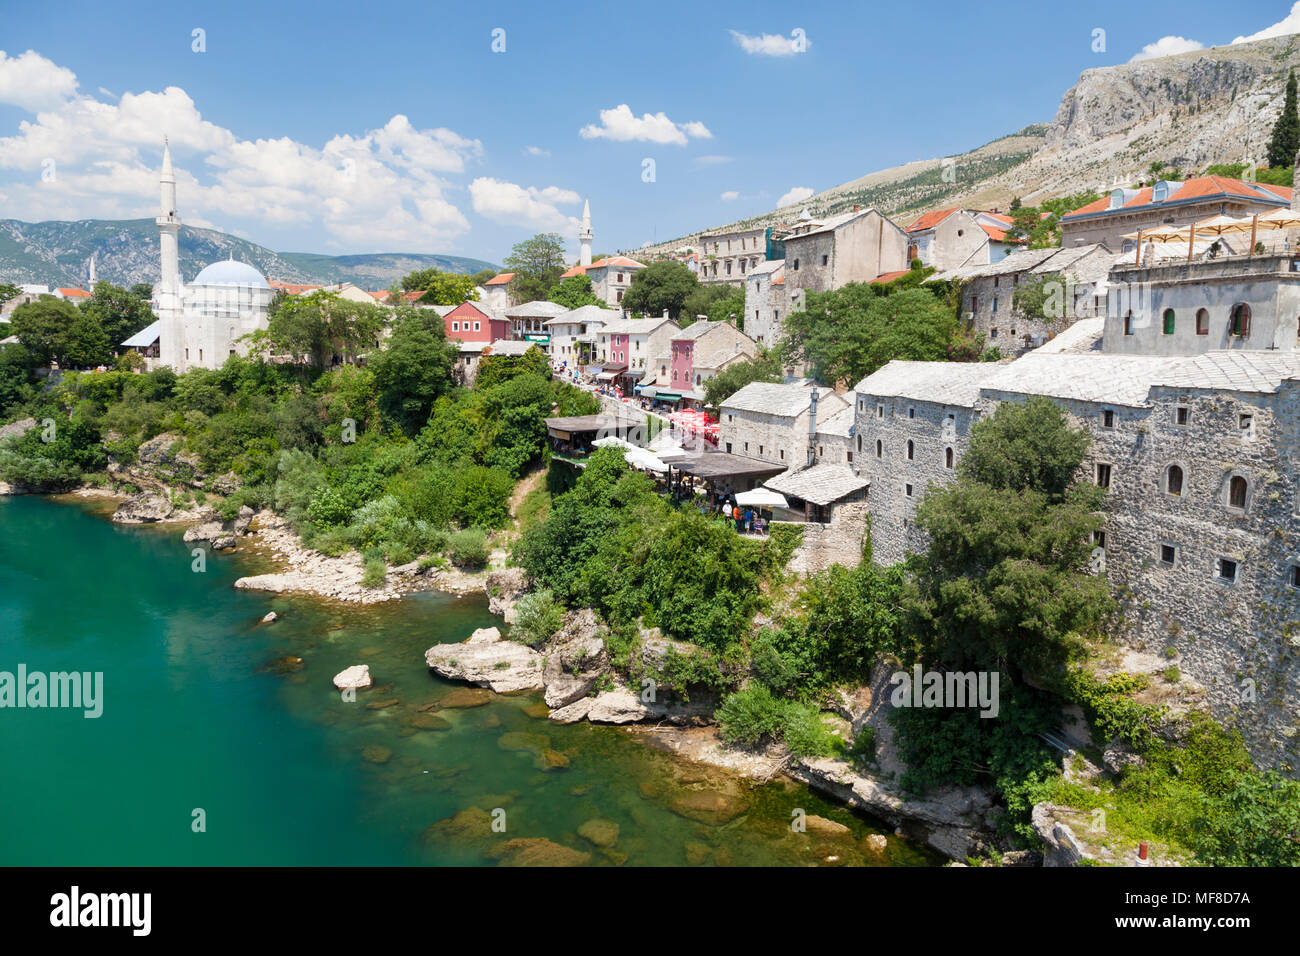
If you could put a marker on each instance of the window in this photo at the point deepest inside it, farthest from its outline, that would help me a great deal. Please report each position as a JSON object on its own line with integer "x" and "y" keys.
{"x": 880, "y": 411}
{"x": 995, "y": 304}
{"x": 455, "y": 326}
{"x": 728, "y": 448}
{"x": 1099, "y": 538}
{"x": 907, "y": 490}
{"x": 911, "y": 449}
{"x": 880, "y": 448}
{"x": 850, "y": 458}
{"x": 1182, "y": 415}
{"x": 1245, "y": 422}
{"x": 859, "y": 443}
{"x": 1107, "y": 418}
{"x": 1174, "y": 480}
{"x": 1293, "y": 577}
{"x": 477, "y": 326}
{"x": 993, "y": 333}
{"x": 1237, "y": 488}
{"x": 1202, "y": 322}
{"x": 820, "y": 451}
{"x": 760, "y": 449}
{"x": 911, "y": 412}
{"x": 1128, "y": 324}
{"x": 1169, "y": 322}
{"x": 796, "y": 265}
{"x": 1226, "y": 569}
{"x": 825, "y": 259}
{"x": 1168, "y": 553}
{"x": 1241, "y": 319}
{"x": 947, "y": 458}
{"x": 1103, "y": 476}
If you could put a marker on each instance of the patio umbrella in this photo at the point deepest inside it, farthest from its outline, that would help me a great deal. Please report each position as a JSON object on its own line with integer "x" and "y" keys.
{"x": 1156, "y": 235}
{"x": 613, "y": 440}
{"x": 762, "y": 498}
{"x": 1217, "y": 226}
{"x": 640, "y": 458}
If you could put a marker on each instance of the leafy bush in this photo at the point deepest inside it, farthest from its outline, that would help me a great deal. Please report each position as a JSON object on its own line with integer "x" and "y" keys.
{"x": 468, "y": 548}
{"x": 374, "y": 573}
{"x": 537, "y": 618}
{"x": 749, "y": 716}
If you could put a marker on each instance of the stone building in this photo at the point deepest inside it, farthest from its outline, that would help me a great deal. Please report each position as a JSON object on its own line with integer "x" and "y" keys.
{"x": 1167, "y": 203}
{"x": 573, "y": 334}
{"x": 528, "y": 320}
{"x": 729, "y": 256}
{"x": 694, "y": 355}
{"x": 765, "y": 302}
{"x": 633, "y": 344}
{"x": 1184, "y": 308}
{"x": 610, "y": 277}
{"x": 774, "y": 422}
{"x": 950, "y": 238}
{"x": 856, "y": 246}
{"x": 988, "y": 293}
{"x": 495, "y": 292}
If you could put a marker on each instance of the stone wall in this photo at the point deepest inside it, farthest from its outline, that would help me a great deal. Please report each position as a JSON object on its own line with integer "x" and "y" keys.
{"x": 838, "y": 541}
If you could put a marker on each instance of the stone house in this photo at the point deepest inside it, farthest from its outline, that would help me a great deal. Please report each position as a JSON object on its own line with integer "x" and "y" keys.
{"x": 856, "y": 246}
{"x": 633, "y": 343}
{"x": 1184, "y": 308}
{"x": 774, "y": 422}
{"x": 694, "y": 355}
{"x": 495, "y": 292}
{"x": 528, "y": 320}
{"x": 765, "y": 302}
{"x": 729, "y": 256}
{"x": 1167, "y": 203}
{"x": 573, "y": 334}
{"x": 948, "y": 239}
{"x": 610, "y": 277}
{"x": 988, "y": 293}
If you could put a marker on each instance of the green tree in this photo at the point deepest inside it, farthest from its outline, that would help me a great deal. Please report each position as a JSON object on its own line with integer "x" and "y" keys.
{"x": 736, "y": 376}
{"x": 121, "y": 313}
{"x": 321, "y": 325}
{"x": 537, "y": 264}
{"x": 574, "y": 292}
{"x": 414, "y": 369}
{"x": 1285, "y": 141}
{"x": 54, "y": 330}
{"x": 441, "y": 288}
{"x": 660, "y": 286}
{"x": 1004, "y": 584}
{"x": 8, "y": 291}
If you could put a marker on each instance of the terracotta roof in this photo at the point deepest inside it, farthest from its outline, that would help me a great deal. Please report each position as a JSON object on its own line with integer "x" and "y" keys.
{"x": 623, "y": 261}
{"x": 501, "y": 279}
{"x": 1201, "y": 187}
{"x": 931, "y": 219}
{"x": 998, "y": 235}
{"x": 886, "y": 276}
{"x": 780, "y": 281}
{"x": 74, "y": 293}
{"x": 293, "y": 288}
{"x": 381, "y": 295}
{"x": 577, "y": 270}
{"x": 1002, "y": 217}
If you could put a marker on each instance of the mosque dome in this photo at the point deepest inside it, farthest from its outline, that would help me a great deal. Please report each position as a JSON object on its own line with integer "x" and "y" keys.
{"x": 230, "y": 272}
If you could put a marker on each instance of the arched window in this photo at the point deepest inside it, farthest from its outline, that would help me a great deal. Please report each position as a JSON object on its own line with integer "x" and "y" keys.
{"x": 1202, "y": 322}
{"x": 911, "y": 449}
{"x": 1237, "y": 492}
{"x": 947, "y": 458}
{"x": 880, "y": 448}
{"x": 1169, "y": 321}
{"x": 1241, "y": 319}
{"x": 1174, "y": 480}
{"x": 1128, "y": 323}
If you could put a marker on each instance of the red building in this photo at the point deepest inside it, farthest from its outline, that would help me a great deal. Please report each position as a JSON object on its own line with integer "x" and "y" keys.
{"x": 470, "y": 323}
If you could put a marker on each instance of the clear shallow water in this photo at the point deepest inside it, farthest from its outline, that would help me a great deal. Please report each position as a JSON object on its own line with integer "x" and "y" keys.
{"x": 196, "y": 715}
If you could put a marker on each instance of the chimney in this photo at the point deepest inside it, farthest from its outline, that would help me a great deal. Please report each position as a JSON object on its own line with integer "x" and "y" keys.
{"x": 812, "y": 426}
{"x": 1143, "y": 855}
{"x": 856, "y": 207}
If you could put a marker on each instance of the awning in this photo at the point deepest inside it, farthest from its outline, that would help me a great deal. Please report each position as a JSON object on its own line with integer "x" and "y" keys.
{"x": 667, "y": 396}
{"x": 606, "y": 376}
{"x": 762, "y": 498}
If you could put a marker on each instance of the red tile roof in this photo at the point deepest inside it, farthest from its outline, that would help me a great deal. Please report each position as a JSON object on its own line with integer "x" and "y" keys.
{"x": 575, "y": 271}
{"x": 501, "y": 279}
{"x": 882, "y": 278}
{"x": 998, "y": 235}
{"x": 780, "y": 281}
{"x": 931, "y": 219}
{"x": 623, "y": 261}
{"x": 1201, "y": 187}
{"x": 74, "y": 293}
{"x": 292, "y": 288}
{"x": 381, "y": 295}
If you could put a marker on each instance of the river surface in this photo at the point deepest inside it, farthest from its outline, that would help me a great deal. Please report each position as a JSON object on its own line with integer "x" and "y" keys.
{"x": 212, "y": 750}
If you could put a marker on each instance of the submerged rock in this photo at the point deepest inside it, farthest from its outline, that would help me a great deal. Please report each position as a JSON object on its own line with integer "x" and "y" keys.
{"x": 461, "y": 697}
{"x": 270, "y": 617}
{"x": 714, "y": 807}
{"x": 145, "y": 507}
{"x": 282, "y": 666}
{"x": 375, "y": 753}
{"x": 603, "y": 833}
{"x": 538, "y": 851}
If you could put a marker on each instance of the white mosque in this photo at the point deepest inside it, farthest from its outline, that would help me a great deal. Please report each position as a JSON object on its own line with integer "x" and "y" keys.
{"x": 199, "y": 324}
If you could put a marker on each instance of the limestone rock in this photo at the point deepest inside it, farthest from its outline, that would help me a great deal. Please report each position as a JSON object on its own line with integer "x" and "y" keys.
{"x": 461, "y": 697}
{"x": 603, "y": 833}
{"x": 356, "y": 677}
{"x": 147, "y": 506}
{"x": 1060, "y": 846}
{"x": 505, "y": 587}
{"x": 538, "y": 851}
{"x": 816, "y": 824}
{"x": 270, "y": 617}
{"x": 486, "y": 660}
{"x": 1118, "y": 757}
{"x": 575, "y": 658}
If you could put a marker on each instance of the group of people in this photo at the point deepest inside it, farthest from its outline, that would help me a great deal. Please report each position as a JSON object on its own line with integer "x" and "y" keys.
{"x": 748, "y": 520}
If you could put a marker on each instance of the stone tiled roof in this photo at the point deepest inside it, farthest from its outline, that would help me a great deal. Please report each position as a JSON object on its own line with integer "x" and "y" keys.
{"x": 585, "y": 313}
{"x": 534, "y": 310}
{"x": 721, "y": 357}
{"x": 620, "y": 326}
{"x": 766, "y": 266}
{"x": 768, "y": 398}
{"x": 820, "y": 484}
{"x": 1104, "y": 379}
{"x": 1234, "y": 371}
{"x": 1083, "y": 336}
{"x": 840, "y": 424}
{"x": 944, "y": 383}
{"x": 697, "y": 330}
{"x": 511, "y": 347}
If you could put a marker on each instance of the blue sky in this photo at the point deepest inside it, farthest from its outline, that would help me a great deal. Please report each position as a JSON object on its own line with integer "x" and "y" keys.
{"x": 382, "y": 127}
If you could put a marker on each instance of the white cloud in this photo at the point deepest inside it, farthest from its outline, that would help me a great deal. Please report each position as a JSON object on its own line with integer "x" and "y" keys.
{"x": 798, "y": 194}
{"x": 517, "y": 205}
{"x": 1167, "y": 46}
{"x": 1288, "y": 24}
{"x": 373, "y": 191}
{"x": 713, "y": 159}
{"x": 33, "y": 83}
{"x": 770, "y": 44}
{"x": 729, "y": 195}
{"x": 536, "y": 151}
{"x": 620, "y": 125}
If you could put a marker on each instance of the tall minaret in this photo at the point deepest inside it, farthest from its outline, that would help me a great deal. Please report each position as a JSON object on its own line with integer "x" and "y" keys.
{"x": 167, "y": 293}
{"x": 584, "y": 237}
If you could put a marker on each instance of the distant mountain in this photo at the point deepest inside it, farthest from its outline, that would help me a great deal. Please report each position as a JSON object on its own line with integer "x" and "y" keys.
{"x": 126, "y": 252}
{"x": 1187, "y": 111}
